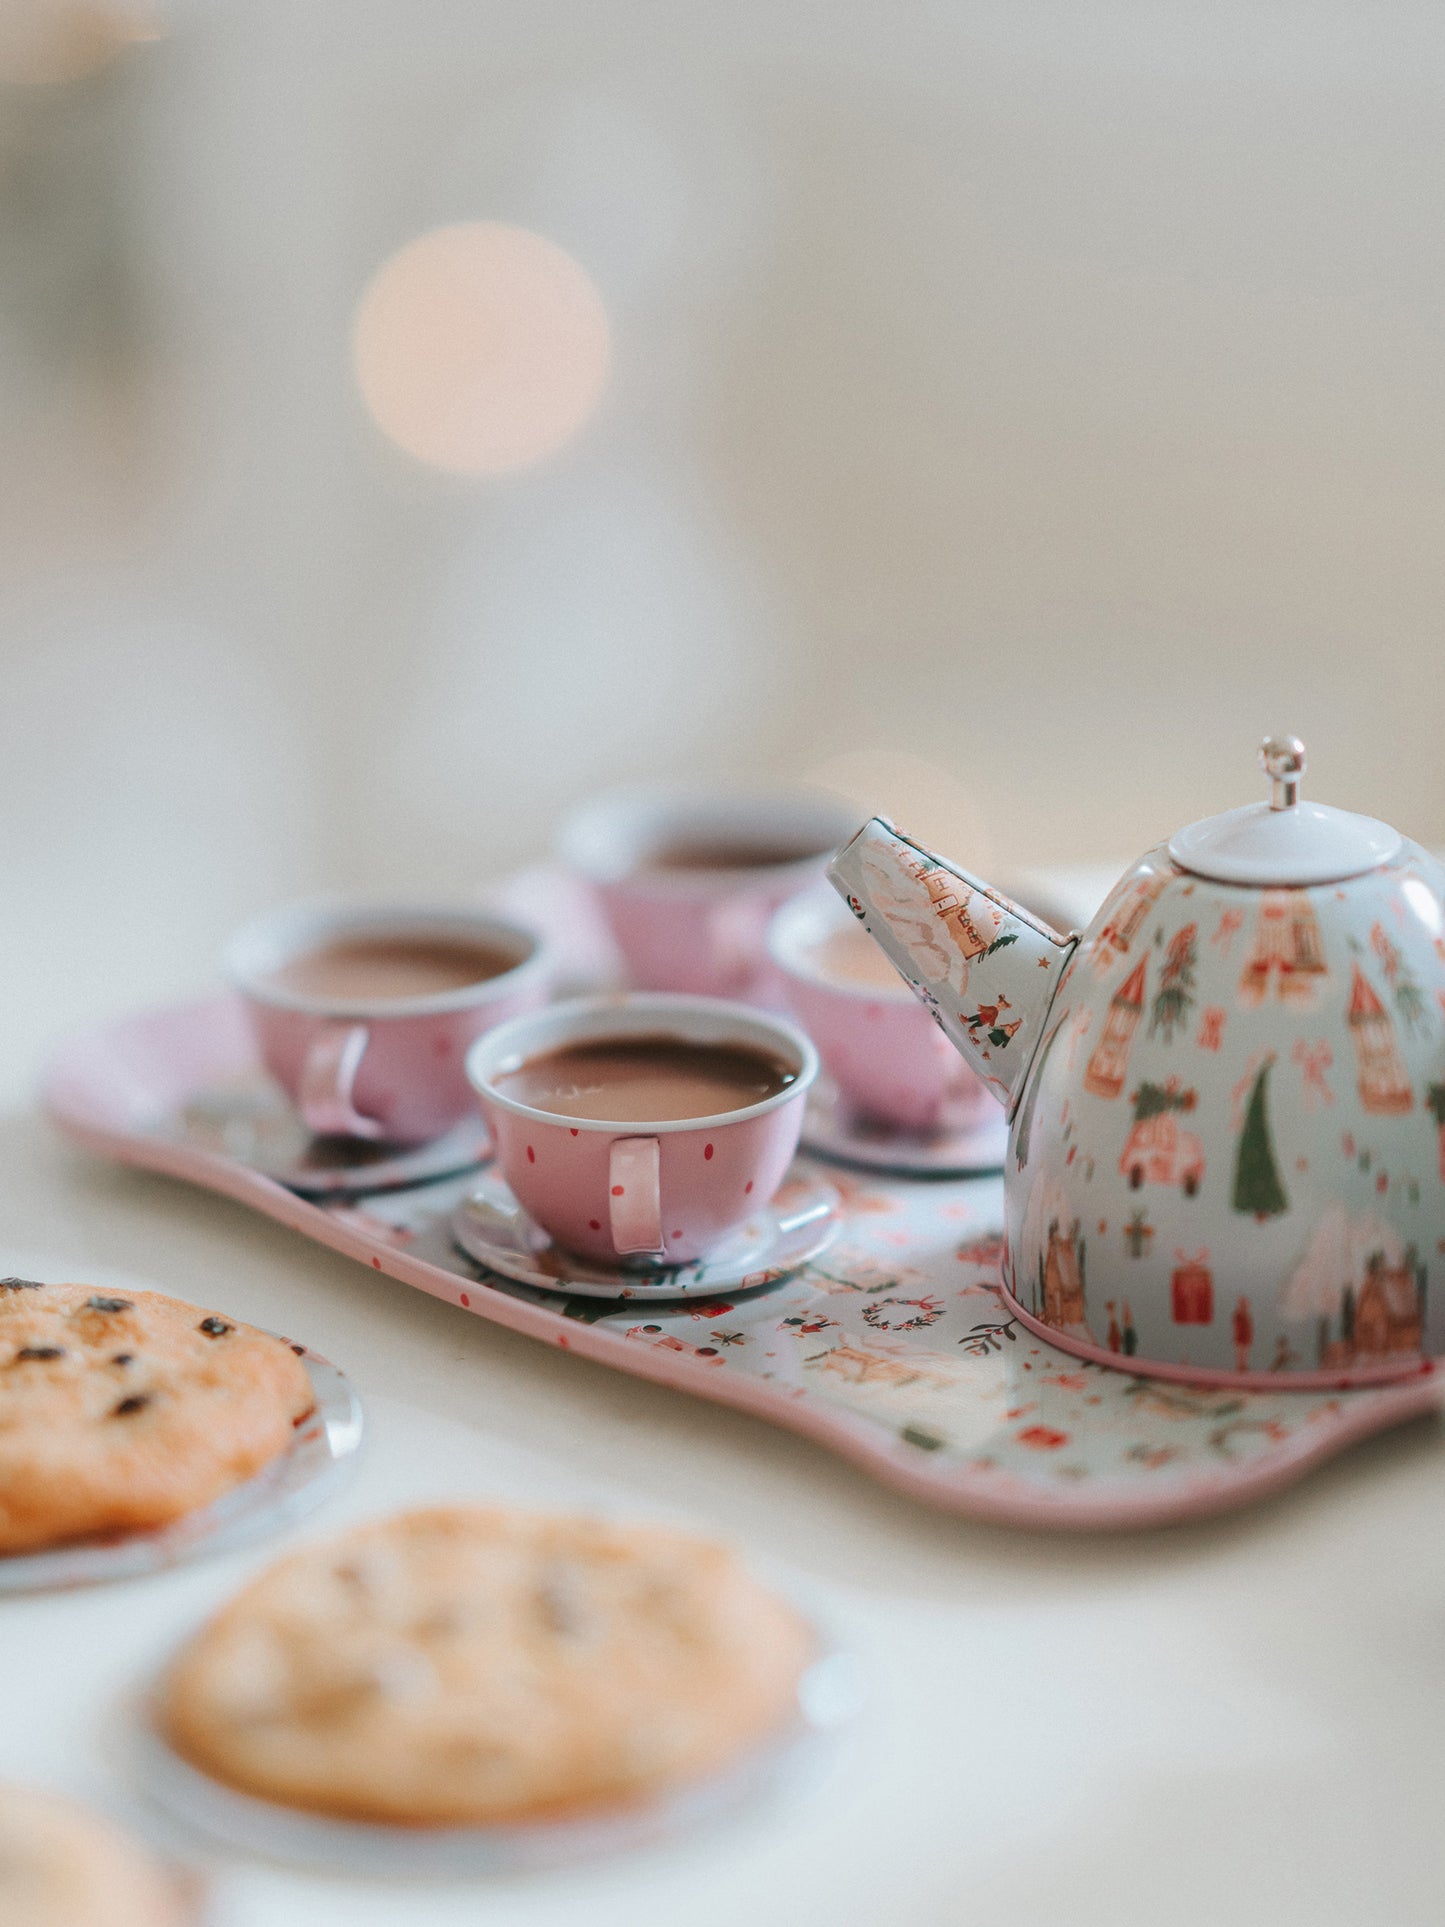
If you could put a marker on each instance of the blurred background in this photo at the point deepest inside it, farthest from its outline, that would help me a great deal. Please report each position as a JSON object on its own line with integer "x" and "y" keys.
{"x": 415, "y": 414}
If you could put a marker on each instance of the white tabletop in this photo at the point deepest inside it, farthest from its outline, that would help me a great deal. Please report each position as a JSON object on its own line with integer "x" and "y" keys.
{"x": 1233, "y": 1721}
{"x": 1227, "y": 1721}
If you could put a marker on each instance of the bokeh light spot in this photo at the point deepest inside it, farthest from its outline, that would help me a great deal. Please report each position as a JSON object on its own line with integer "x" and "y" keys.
{"x": 54, "y": 43}
{"x": 481, "y": 347}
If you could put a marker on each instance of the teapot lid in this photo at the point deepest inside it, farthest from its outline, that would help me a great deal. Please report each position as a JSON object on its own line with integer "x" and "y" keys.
{"x": 1284, "y": 842}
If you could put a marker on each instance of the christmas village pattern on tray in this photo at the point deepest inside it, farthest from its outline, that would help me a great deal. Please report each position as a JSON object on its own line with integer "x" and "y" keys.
{"x": 900, "y": 1331}
{"x": 1263, "y": 1068}
{"x": 896, "y": 1349}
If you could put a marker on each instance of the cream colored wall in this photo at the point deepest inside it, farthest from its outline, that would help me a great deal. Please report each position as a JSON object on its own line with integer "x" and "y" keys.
{"x": 1015, "y": 411}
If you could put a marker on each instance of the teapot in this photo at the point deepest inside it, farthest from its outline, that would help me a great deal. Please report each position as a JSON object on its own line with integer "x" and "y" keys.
{"x": 1226, "y": 1158}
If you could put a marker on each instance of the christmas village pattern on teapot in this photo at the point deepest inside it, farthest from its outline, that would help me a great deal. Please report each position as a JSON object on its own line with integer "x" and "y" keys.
{"x": 960, "y": 945}
{"x": 1229, "y": 1155}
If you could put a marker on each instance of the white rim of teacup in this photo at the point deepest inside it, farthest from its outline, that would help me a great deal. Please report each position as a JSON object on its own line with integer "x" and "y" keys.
{"x": 804, "y": 922}
{"x": 696, "y": 1020}
{"x": 608, "y": 839}
{"x": 263, "y": 945}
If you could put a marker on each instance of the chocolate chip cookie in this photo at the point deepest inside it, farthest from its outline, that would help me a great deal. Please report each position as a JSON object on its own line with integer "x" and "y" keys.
{"x": 465, "y": 1666}
{"x": 119, "y": 1413}
{"x": 62, "y": 1866}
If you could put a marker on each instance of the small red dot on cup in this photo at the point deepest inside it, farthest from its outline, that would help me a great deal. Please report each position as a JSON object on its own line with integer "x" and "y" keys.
{"x": 707, "y": 1150}
{"x": 594, "y": 1224}
{"x": 466, "y": 1301}
{"x": 573, "y": 1129}
{"x": 376, "y": 1264}
{"x": 747, "y": 1187}
{"x": 677, "y": 1234}
{"x": 617, "y": 1190}
{"x": 531, "y": 1155}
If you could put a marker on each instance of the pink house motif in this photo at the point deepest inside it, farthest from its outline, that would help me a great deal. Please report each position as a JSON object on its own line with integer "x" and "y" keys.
{"x": 1384, "y": 1087}
{"x": 1109, "y": 1065}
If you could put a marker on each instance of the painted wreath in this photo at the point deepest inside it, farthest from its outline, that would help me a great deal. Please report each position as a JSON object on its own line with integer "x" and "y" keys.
{"x": 927, "y": 1311}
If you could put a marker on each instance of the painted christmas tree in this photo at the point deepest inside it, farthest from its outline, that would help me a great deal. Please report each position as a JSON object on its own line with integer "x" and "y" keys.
{"x": 1257, "y": 1185}
{"x": 1435, "y": 1100}
{"x": 1175, "y": 995}
{"x": 1410, "y": 1002}
{"x": 1408, "y": 999}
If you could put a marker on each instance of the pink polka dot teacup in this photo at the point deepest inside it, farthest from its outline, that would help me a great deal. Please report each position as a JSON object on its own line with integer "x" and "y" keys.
{"x": 688, "y": 878}
{"x": 364, "y": 1016}
{"x": 879, "y": 1044}
{"x": 644, "y": 1127}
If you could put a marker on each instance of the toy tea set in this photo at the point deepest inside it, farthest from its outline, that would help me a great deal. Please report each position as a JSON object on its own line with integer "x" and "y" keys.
{"x": 1226, "y": 1097}
{"x": 1223, "y": 1107}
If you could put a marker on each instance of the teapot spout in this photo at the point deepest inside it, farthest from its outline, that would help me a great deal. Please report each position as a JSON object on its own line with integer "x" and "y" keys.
{"x": 986, "y": 969}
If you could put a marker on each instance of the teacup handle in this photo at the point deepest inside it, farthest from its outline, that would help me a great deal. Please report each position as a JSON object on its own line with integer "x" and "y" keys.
{"x": 328, "y": 1076}
{"x": 634, "y": 1195}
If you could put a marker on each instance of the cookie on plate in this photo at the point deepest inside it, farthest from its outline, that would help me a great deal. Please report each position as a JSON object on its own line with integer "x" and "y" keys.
{"x": 64, "y": 1866}
{"x": 467, "y": 1666}
{"x": 119, "y": 1413}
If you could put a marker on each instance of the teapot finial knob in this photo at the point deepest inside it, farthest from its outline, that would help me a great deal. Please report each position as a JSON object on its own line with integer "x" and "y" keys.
{"x": 1283, "y": 760}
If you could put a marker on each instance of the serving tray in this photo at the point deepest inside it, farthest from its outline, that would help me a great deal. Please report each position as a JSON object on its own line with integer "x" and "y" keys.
{"x": 894, "y": 1349}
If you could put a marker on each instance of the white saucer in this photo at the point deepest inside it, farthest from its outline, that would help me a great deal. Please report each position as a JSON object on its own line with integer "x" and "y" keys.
{"x": 251, "y": 1121}
{"x": 832, "y": 1129}
{"x": 801, "y": 1221}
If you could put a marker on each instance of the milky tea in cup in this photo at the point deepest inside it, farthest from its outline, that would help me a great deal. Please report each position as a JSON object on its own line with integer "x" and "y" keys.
{"x": 881, "y": 1047}
{"x": 389, "y": 969}
{"x": 364, "y": 1016}
{"x": 638, "y": 1079}
{"x": 644, "y": 1126}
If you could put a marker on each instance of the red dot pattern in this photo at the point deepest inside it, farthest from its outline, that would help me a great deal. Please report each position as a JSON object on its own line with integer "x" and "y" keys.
{"x": 467, "y": 1303}
{"x": 617, "y": 1190}
{"x": 707, "y": 1150}
{"x": 595, "y": 1224}
{"x": 531, "y": 1155}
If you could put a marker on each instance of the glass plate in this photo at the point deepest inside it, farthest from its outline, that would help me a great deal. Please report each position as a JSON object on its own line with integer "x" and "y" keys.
{"x": 828, "y": 1696}
{"x": 319, "y": 1459}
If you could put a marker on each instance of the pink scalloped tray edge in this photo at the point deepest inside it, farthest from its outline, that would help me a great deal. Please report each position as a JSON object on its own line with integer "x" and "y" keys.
{"x": 108, "y": 1083}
